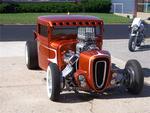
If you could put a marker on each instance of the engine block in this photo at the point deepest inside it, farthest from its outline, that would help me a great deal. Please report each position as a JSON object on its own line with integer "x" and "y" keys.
{"x": 86, "y": 39}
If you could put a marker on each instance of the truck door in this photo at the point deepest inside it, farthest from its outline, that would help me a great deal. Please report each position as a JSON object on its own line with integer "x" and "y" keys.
{"x": 42, "y": 42}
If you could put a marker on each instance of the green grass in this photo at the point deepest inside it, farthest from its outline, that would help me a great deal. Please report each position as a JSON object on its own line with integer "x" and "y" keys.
{"x": 30, "y": 18}
{"x": 148, "y": 11}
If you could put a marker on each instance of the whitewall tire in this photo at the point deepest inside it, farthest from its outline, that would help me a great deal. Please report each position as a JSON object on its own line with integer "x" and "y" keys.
{"x": 53, "y": 82}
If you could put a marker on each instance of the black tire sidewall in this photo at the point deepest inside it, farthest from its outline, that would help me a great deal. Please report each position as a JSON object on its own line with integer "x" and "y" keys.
{"x": 56, "y": 80}
{"x": 32, "y": 62}
{"x": 131, "y": 40}
{"x": 138, "y": 80}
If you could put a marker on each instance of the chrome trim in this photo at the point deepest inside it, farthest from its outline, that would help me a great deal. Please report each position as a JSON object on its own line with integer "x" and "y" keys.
{"x": 98, "y": 54}
{"x": 67, "y": 70}
{"x": 104, "y": 74}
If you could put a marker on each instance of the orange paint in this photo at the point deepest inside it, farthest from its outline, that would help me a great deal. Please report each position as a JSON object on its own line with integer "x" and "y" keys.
{"x": 54, "y": 47}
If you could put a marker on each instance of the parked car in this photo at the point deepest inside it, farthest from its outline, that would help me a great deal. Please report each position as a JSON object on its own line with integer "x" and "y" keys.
{"x": 69, "y": 48}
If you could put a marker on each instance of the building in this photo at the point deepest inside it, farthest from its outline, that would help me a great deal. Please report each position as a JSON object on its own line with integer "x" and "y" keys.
{"x": 123, "y": 6}
{"x": 143, "y": 5}
{"x": 130, "y": 7}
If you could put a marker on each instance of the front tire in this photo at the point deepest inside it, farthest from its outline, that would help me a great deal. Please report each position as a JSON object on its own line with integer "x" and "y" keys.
{"x": 53, "y": 82}
{"x": 134, "y": 78}
{"x": 132, "y": 44}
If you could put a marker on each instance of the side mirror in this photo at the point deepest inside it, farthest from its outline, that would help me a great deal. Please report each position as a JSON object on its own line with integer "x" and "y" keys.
{"x": 35, "y": 34}
{"x": 129, "y": 27}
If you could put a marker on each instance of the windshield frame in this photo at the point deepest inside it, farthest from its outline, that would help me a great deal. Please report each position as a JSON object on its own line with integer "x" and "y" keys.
{"x": 69, "y": 27}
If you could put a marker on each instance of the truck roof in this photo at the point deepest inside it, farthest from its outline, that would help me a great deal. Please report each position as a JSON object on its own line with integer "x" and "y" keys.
{"x": 61, "y": 20}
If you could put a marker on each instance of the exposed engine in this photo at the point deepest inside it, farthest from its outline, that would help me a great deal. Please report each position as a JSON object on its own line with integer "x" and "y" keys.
{"x": 86, "y": 38}
{"x": 86, "y": 41}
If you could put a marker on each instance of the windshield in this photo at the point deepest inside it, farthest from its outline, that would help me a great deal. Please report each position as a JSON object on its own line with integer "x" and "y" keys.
{"x": 73, "y": 30}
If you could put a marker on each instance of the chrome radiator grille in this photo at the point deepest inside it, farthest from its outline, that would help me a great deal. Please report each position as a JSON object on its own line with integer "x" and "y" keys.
{"x": 100, "y": 72}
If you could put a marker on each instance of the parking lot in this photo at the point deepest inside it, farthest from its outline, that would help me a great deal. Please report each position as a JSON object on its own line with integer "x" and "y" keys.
{"x": 24, "y": 91}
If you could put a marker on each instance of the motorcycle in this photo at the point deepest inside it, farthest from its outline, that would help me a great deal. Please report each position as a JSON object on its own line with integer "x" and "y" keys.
{"x": 137, "y": 34}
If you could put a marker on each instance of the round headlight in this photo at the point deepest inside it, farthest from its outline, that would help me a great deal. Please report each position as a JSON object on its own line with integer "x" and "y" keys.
{"x": 81, "y": 78}
{"x": 135, "y": 28}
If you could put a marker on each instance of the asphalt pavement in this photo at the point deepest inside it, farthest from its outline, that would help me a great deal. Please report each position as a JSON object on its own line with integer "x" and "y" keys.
{"x": 25, "y": 32}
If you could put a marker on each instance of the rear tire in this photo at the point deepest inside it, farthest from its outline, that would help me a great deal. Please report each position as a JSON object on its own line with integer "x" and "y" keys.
{"x": 53, "y": 82}
{"x": 31, "y": 55}
{"x": 132, "y": 44}
{"x": 134, "y": 77}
